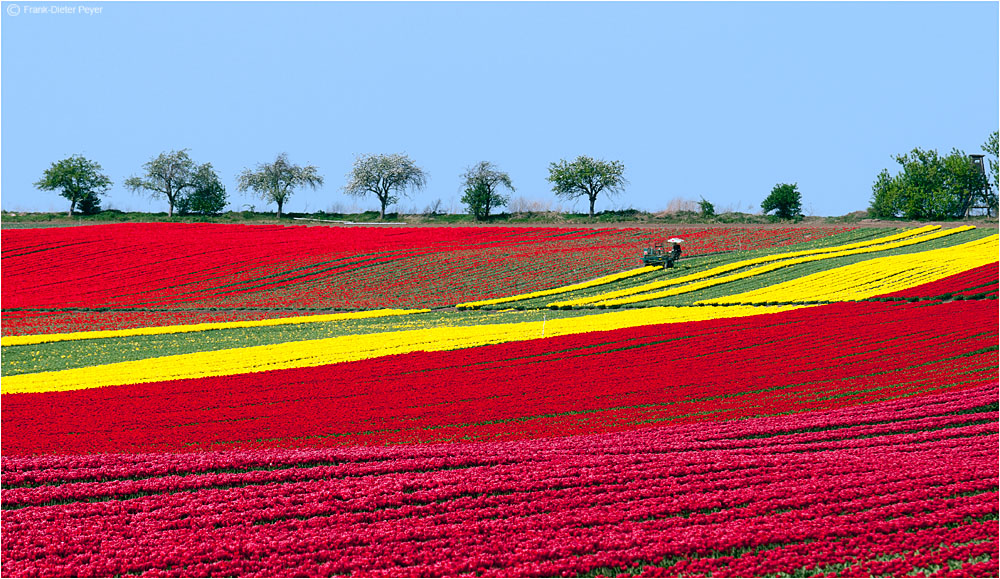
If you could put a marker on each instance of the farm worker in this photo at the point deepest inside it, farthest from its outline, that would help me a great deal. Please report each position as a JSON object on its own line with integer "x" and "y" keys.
{"x": 675, "y": 253}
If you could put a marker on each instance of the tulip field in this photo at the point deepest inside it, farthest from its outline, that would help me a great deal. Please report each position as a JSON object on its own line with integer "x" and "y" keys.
{"x": 236, "y": 400}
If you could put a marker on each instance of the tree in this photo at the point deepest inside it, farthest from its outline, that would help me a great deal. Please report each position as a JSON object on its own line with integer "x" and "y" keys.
{"x": 387, "y": 176}
{"x": 928, "y": 187}
{"x": 482, "y": 182}
{"x": 707, "y": 209}
{"x": 964, "y": 181}
{"x": 990, "y": 147}
{"x": 274, "y": 182}
{"x": 785, "y": 200}
{"x": 167, "y": 176}
{"x": 89, "y": 205}
{"x": 78, "y": 178}
{"x": 586, "y": 177}
{"x": 884, "y": 193}
{"x": 207, "y": 196}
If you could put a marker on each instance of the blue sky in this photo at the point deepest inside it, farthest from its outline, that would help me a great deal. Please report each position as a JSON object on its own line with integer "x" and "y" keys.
{"x": 716, "y": 100}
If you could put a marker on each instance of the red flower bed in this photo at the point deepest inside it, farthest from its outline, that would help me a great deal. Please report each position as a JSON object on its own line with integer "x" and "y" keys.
{"x": 830, "y": 357}
{"x": 168, "y": 265}
{"x": 891, "y": 488}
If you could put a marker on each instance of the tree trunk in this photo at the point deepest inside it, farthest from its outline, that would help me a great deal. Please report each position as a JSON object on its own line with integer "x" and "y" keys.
{"x": 71, "y": 204}
{"x": 592, "y": 199}
{"x": 170, "y": 210}
{"x": 279, "y": 209}
{"x": 381, "y": 211}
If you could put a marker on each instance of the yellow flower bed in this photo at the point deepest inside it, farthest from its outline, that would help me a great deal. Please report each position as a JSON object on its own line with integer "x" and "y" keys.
{"x": 874, "y": 277}
{"x": 359, "y": 347}
{"x": 180, "y": 329}
{"x": 707, "y": 278}
{"x": 563, "y": 289}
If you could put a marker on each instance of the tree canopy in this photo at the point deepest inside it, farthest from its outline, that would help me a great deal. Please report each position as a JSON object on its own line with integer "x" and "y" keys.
{"x": 990, "y": 147}
{"x": 587, "y": 177}
{"x": 80, "y": 181}
{"x": 89, "y": 205}
{"x": 387, "y": 176}
{"x": 482, "y": 183}
{"x": 207, "y": 196}
{"x": 168, "y": 175}
{"x": 707, "y": 208}
{"x": 785, "y": 200}
{"x": 274, "y": 182}
{"x": 930, "y": 187}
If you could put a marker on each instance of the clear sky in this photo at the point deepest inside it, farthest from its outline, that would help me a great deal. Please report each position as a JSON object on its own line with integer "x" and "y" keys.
{"x": 716, "y": 100}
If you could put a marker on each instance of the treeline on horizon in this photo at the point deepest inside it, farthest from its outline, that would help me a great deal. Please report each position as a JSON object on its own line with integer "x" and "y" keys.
{"x": 927, "y": 186}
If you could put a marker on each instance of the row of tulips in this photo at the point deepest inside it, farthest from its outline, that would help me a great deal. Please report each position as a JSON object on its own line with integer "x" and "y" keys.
{"x": 207, "y": 265}
{"x": 625, "y": 379}
{"x": 979, "y": 281}
{"x": 203, "y": 327}
{"x": 446, "y": 277}
{"x": 742, "y": 264}
{"x": 29, "y": 322}
{"x": 563, "y": 289}
{"x": 757, "y": 267}
{"x": 442, "y": 278}
{"x": 58, "y": 478}
{"x": 892, "y": 487}
{"x": 340, "y": 349}
{"x": 875, "y": 276}
{"x": 39, "y": 469}
{"x": 137, "y": 261}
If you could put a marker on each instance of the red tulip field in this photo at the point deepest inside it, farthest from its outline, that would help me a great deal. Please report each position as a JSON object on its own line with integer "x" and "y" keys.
{"x": 237, "y": 400}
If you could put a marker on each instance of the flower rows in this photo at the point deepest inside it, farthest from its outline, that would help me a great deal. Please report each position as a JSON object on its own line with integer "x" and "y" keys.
{"x": 583, "y": 285}
{"x": 714, "y": 276}
{"x": 459, "y": 275}
{"x": 205, "y": 327}
{"x": 160, "y": 263}
{"x": 28, "y": 322}
{"x": 876, "y": 276}
{"x": 978, "y": 281}
{"x": 207, "y": 265}
{"x": 853, "y": 438}
{"x": 339, "y": 349}
{"x": 891, "y": 488}
{"x": 624, "y": 379}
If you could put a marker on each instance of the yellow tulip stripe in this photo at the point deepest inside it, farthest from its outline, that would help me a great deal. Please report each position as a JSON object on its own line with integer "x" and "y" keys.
{"x": 153, "y": 331}
{"x": 568, "y": 288}
{"x": 875, "y": 277}
{"x": 707, "y": 278}
{"x": 358, "y": 347}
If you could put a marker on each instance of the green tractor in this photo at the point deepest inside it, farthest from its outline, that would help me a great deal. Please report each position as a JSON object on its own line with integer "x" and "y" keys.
{"x": 659, "y": 255}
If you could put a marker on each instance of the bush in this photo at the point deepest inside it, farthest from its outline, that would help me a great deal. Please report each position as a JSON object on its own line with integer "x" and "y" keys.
{"x": 785, "y": 200}
{"x": 707, "y": 209}
{"x": 89, "y": 205}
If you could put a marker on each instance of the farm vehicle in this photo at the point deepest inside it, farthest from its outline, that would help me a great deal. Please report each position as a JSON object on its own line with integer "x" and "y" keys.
{"x": 659, "y": 255}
